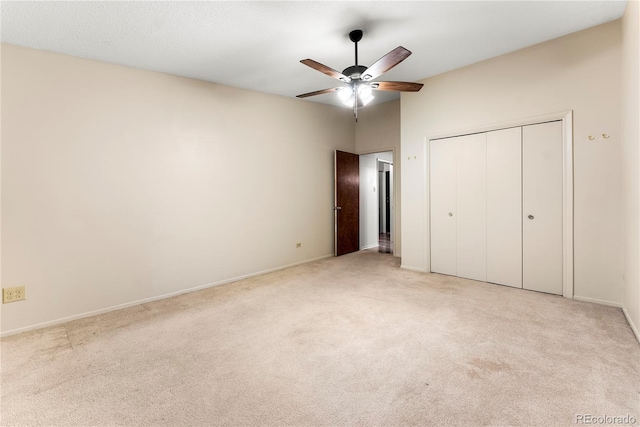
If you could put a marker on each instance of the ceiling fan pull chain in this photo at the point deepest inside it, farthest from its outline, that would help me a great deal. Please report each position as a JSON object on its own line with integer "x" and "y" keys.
{"x": 355, "y": 106}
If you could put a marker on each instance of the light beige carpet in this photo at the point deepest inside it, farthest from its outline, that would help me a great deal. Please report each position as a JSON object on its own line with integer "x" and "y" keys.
{"x": 353, "y": 340}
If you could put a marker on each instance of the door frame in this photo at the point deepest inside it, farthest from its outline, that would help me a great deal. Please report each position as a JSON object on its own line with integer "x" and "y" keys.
{"x": 567, "y": 184}
{"x": 394, "y": 204}
{"x": 378, "y": 161}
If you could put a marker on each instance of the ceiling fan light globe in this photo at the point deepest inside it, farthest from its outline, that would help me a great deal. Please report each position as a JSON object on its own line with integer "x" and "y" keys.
{"x": 365, "y": 101}
{"x": 365, "y": 92}
{"x": 349, "y": 101}
{"x": 345, "y": 93}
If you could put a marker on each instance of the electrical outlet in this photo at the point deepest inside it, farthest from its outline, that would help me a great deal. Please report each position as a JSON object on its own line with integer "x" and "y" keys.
{"x": 16, "y": 293}
{"x": 298, "y": 245}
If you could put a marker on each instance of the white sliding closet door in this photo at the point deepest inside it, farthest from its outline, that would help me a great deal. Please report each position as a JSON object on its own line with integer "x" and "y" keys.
{"x": 471, "y": 203}
{"x": 443, "y": 206}
{"x": 504, "y": 207}
{"x": 542, "y": 207}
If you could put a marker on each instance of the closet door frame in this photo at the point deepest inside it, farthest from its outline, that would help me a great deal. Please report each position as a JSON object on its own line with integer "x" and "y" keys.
{"x": 567, "y": 185}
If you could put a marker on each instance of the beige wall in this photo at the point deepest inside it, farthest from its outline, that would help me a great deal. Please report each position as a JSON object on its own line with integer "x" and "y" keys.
{"x": 579, "y": 72}
{"x": 378, "y": 129}
{"x": 120, "y": 185}
{"x": 631, "y": 162}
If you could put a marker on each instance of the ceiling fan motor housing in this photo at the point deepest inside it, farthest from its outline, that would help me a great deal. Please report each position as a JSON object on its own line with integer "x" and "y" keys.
{"x": 354, "y": 72}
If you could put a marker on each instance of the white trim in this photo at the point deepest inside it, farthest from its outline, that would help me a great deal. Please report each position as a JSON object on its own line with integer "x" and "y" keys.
{"x": 567, "y": 185}
{"x": 151, "y": 299}
{"x": 407, "y": 267}
{"x": 335, "y": 204}
{"x": 567, "y": 208}
{"x": 633, "y": 327}
{"x": 597, "y": 301}
{"x": 393, "y": 198}
{"x": 426, "y": 178}
{"x": 378, "y": 150}
{"x": 396, "y": 179}
{"x": 561, "y": 115}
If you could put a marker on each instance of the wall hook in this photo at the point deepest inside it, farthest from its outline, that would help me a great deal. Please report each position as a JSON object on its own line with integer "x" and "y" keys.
{"x": 605, "y": 136}
{"x": 591, "y": 138}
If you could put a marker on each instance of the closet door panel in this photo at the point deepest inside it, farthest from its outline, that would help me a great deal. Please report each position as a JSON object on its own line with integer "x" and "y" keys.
{"x": 443, "y": 206}
{"x": 471, "y": 207}
{"x": 542, "y": 207}
{"x": 504, "y": 207}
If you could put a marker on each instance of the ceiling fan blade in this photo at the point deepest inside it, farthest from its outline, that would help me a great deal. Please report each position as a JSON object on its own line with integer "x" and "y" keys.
{"x": 326, "y": 70}
{"x": 318, "y": 92}
{"x": 386, "y": 63}
{"x": 397, "y": 86}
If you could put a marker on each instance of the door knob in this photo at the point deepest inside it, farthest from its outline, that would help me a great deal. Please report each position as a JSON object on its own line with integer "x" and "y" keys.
{"x": 530, "y": 217}
{"x": 450, "y": 214}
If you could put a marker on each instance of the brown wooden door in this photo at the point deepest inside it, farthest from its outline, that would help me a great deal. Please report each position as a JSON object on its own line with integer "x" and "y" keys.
{"x": 347, "y": 203}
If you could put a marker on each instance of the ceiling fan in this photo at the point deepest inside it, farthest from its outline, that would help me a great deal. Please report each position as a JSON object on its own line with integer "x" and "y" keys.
{"x": 359, "y": 79}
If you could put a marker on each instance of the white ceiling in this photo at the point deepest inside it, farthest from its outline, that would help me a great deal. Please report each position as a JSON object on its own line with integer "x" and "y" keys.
{"x": 257, "y": 45}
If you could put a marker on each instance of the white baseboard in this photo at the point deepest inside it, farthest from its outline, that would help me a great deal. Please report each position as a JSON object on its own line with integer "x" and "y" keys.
{"x": 633, "y": 326}
{"x": 151, "y": 299}
{"x": 410, "y": 268}
{"x": 597, "y": 301}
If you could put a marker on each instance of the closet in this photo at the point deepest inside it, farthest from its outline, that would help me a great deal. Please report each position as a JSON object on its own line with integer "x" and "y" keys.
{"x": 496, "y": 206}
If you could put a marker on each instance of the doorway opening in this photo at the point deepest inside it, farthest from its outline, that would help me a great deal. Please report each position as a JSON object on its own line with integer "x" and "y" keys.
{"x": 369, "y": 223}
{"x": 377, "y": 207}
{"x": 385, "y": 197}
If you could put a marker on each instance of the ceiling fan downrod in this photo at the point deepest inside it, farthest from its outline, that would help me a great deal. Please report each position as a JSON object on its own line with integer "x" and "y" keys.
{"x": 355, "y": 36}
{"x": 355, "y": 71}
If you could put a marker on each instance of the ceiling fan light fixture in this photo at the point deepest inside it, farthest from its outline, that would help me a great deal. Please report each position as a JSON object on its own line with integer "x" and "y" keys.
{"x": 365, "y": 92}
{"x": 360, "y": 79}
{"x": 366, "y": 100}
{"x": 361, "y": 93}
{"x": 349, "y": 101}
{"x": 346, "y": 95}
